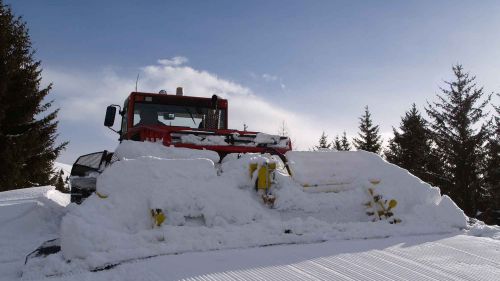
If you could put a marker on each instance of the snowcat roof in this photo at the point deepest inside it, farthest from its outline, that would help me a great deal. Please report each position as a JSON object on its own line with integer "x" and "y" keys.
{"x": 177, "y": 100}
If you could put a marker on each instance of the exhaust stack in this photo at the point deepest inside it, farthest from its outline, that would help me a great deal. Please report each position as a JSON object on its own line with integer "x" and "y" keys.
{"x": 179, "y": 92}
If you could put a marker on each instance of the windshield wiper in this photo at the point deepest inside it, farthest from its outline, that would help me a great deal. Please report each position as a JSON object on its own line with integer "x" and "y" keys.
{"x": 190, "y": 114}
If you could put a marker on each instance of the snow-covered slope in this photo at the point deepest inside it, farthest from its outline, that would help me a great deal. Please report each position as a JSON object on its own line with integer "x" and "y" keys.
{"x": 215, "y": 207}
{"x": 426, "y": 257}
{"x": 28, "y": 217}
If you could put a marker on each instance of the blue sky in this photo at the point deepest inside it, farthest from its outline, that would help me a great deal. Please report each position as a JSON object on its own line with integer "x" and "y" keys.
{"x": 314, "y": 64}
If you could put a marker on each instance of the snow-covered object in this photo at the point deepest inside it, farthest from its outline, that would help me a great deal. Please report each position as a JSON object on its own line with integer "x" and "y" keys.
{"x": 215, "y": 206}
{"x": 204, "y": 140}
{"x": 134, "y": 149}
{"x": 266, "y": 138}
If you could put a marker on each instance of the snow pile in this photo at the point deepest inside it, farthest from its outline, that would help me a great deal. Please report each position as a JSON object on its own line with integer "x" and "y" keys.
{"x": 27, "y": 218}
{"x": 355, "y": 170}
{"x": 12, "y": 196}
{"x": 63, "y": 199}
{"x": 204, "y": 211}
{"x": 135, "y": 149}
{"x": 211, "y": 206}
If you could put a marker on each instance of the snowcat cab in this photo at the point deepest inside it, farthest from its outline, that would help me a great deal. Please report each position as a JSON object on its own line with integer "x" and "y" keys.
{"x": 174, "y": 120}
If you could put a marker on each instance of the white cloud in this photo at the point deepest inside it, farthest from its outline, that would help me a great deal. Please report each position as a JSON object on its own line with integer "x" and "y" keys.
{"x": 83, "y": 98}
{"x": 273, "y": 78}
{"x": 175, "y": 61}
{"x": 269, "y": 77}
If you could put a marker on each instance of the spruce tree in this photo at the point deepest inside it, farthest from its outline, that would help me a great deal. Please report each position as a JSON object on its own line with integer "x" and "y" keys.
{"x": 323, "y": 143}
{"x": 492, "y": 169}
{"x": 344, "y": 143}
{"x": 341, "y": 144}
{"x": 27, "y": 127}
{"x": 336, "y": 144}
{"x": 369, "y": 138}
{"x": 411, "y": 147}
{"x": 460, "y": 136}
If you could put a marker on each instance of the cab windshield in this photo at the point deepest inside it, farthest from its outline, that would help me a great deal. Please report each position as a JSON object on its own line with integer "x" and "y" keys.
{"x": 178, "y": 115}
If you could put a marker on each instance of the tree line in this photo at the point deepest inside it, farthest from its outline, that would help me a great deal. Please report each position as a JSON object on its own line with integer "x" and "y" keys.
{"x": 456, "y": 149}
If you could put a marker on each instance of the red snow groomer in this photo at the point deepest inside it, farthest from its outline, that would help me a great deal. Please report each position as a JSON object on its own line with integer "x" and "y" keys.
{"x": 191, "y": 122}
{"x": 178, "y": 120}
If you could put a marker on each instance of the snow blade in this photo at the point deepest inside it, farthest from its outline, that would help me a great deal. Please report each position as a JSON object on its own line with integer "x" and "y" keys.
{"x": 48, "y": 247}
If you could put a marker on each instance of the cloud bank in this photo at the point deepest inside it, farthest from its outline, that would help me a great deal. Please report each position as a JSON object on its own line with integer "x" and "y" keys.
{"x": 83, "y": 98}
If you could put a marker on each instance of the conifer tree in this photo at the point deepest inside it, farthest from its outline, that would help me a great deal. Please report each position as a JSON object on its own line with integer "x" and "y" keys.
{"x": 323, "y": 143}
{"x": 369, "y": 138}
{"x": 59, "y": 183}
{"x": 336, "y": 144}
{"x": 492, "y": 169}
{"x": 344, "y": 143}
{"x": 411, "y": 147}
{"x": 27, "y": 127}
{"x": 341, "y": 144}
{"x": 460, "y": 135}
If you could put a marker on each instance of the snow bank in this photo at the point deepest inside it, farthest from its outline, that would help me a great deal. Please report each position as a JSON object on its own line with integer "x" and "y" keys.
{"x": 134, "y": 149}
{"x": 198, "y": 204}
{"x": 11, "y": 196}
{"x": 27, "y": 218}
{"x": 215, "y": 206}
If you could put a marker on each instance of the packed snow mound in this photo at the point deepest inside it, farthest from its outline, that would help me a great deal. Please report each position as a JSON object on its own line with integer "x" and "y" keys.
{"x": 210, "y": 206}
{"x": 28, "y": 217}
{"x": 11, "y": 196}
{"x": 351, "y": 170}
{"x": 187, "y": 190}
{"x": 134, "y": 149}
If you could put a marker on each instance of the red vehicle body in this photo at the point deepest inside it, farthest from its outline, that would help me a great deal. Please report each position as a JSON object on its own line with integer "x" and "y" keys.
{"x": 186, "y": 108}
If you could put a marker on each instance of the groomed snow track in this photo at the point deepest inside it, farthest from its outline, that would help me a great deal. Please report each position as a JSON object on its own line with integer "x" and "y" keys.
{"x": 428, "y": 257}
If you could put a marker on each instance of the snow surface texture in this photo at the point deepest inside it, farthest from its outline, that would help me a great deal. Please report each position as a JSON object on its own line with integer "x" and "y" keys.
{"x": 28, "y": 217}
{"x": 211, "y": 206}
{"x": 425, "y": 257}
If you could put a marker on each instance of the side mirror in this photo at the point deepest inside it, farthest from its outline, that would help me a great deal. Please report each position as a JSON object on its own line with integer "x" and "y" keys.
{"x": 109, "y": 120}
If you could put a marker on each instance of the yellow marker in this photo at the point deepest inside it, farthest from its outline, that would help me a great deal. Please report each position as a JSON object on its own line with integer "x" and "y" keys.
{"x": 158, "y": 217}
{"x": 392, "y": 204}
{"x": 263, "y": 174}
{"x": 251, "y": 168}
{"x": 102, "y": 196}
